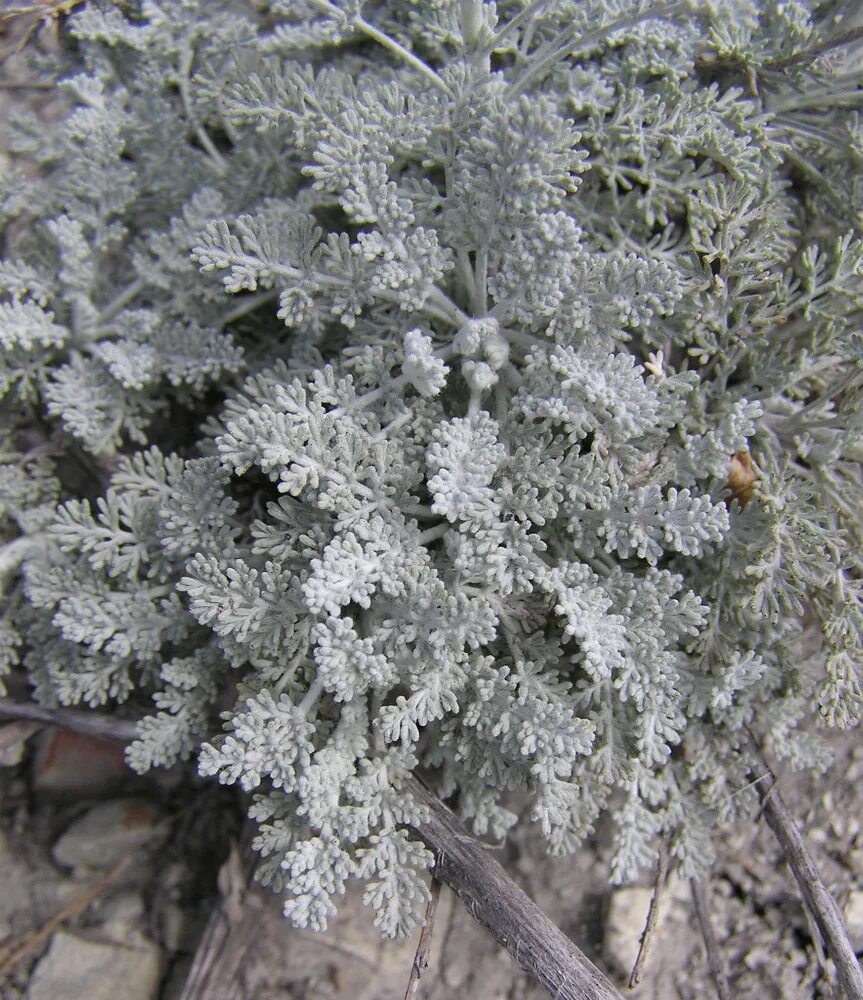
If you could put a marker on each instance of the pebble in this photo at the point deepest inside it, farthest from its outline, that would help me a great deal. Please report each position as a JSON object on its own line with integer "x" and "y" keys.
{"x": 121, "y": 917}
{"x": 74, "y": 765}
{"x": 13, "y": 741}
{"x": 75, "y": 968}
{"x": 107, "y": 833}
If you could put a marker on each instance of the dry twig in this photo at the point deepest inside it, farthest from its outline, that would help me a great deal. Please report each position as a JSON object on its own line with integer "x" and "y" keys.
{"x": 39, "y": 13}
{"x": 421, "y": 958}
{"x": 488, "y": 893}
{"x": 714, "y": 956}
{"x": 652, "y": 915}
{"x": 812, "y": 888}
{"x": 91, "y": 723}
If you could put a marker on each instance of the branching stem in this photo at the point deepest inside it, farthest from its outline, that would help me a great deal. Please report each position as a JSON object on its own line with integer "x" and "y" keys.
{"x": 523, "y": 17}
{"x": 569, "y": 41}
{"x": 220, "y": 164}
{"x": 119, "y": 303}
{"x": 388, "y": 43}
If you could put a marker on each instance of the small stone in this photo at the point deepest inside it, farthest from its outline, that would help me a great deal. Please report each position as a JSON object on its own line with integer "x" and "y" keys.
{"x": 122, "y": 917}
{"x": 106, "y": 834}
{"x": 14, "y": 877}
{"x": 31, "y": 890}
{"x": 74, "y": 765}
{"x": 176, "y": 930}
{"x": 854, "y": 918}
{"x": 13, "y": 741}
{"x": 77, "y": 969}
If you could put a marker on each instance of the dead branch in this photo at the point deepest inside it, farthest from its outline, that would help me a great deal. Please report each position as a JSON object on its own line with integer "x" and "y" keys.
{"x": 421, "y": 958}
{"x": 652, "y": 915}
{"x": 90, "y": 723}
{"x": 812, "y": 888}
{"x": 714, "y": 955}
{"x": 540, "y": 948}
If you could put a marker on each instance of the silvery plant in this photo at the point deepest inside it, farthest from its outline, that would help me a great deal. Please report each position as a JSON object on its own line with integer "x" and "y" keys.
{"x": 456, "y": 389}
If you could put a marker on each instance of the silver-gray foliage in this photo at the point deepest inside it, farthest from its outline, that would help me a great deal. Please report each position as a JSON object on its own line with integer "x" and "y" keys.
{"x": 498, "y": 370}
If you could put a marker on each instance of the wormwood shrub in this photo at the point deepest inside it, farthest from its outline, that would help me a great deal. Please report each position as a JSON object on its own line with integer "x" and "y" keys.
{"x": 463, "y": 387}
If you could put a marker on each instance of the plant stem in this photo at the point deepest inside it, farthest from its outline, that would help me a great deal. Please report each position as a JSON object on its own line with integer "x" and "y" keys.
{"x": 248, "y": 304}
{"x": 119, "y": 303}
{"x": 311, "y": 696}
{"x": 91, "y": 723}
{"x": 433, "y": 534}
{"x": 421, "y": 958}
{"x": 540, "y": 948}
{"x": 220, "y": 164}
{"x": 388, "y": 43}
{"x": 524, "y": 16}
{"x": 818, "y": 99}
{"x": 566, "y": 42}
{"x": 714, "y": 957}
{"x": 807, "y": 55}
{"x": 815, "y": 893}
{"x": 447, "y": 307}
{"x": 652, "y": 915}
{"x": 471, "y": 17}
{"x": 481, "y": 283}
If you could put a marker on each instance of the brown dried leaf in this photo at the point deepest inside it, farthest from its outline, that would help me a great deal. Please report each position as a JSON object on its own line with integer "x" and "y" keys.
{"x": 742, "y": 478}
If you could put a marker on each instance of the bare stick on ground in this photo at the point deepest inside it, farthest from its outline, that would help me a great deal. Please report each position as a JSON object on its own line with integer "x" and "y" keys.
{"x": 711, "y": 947}
{"x": 812, "y": 888}
{"x": 540, "y": 948}
{"x": 421, "y": 958}
{"x": 652, "y": 915}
